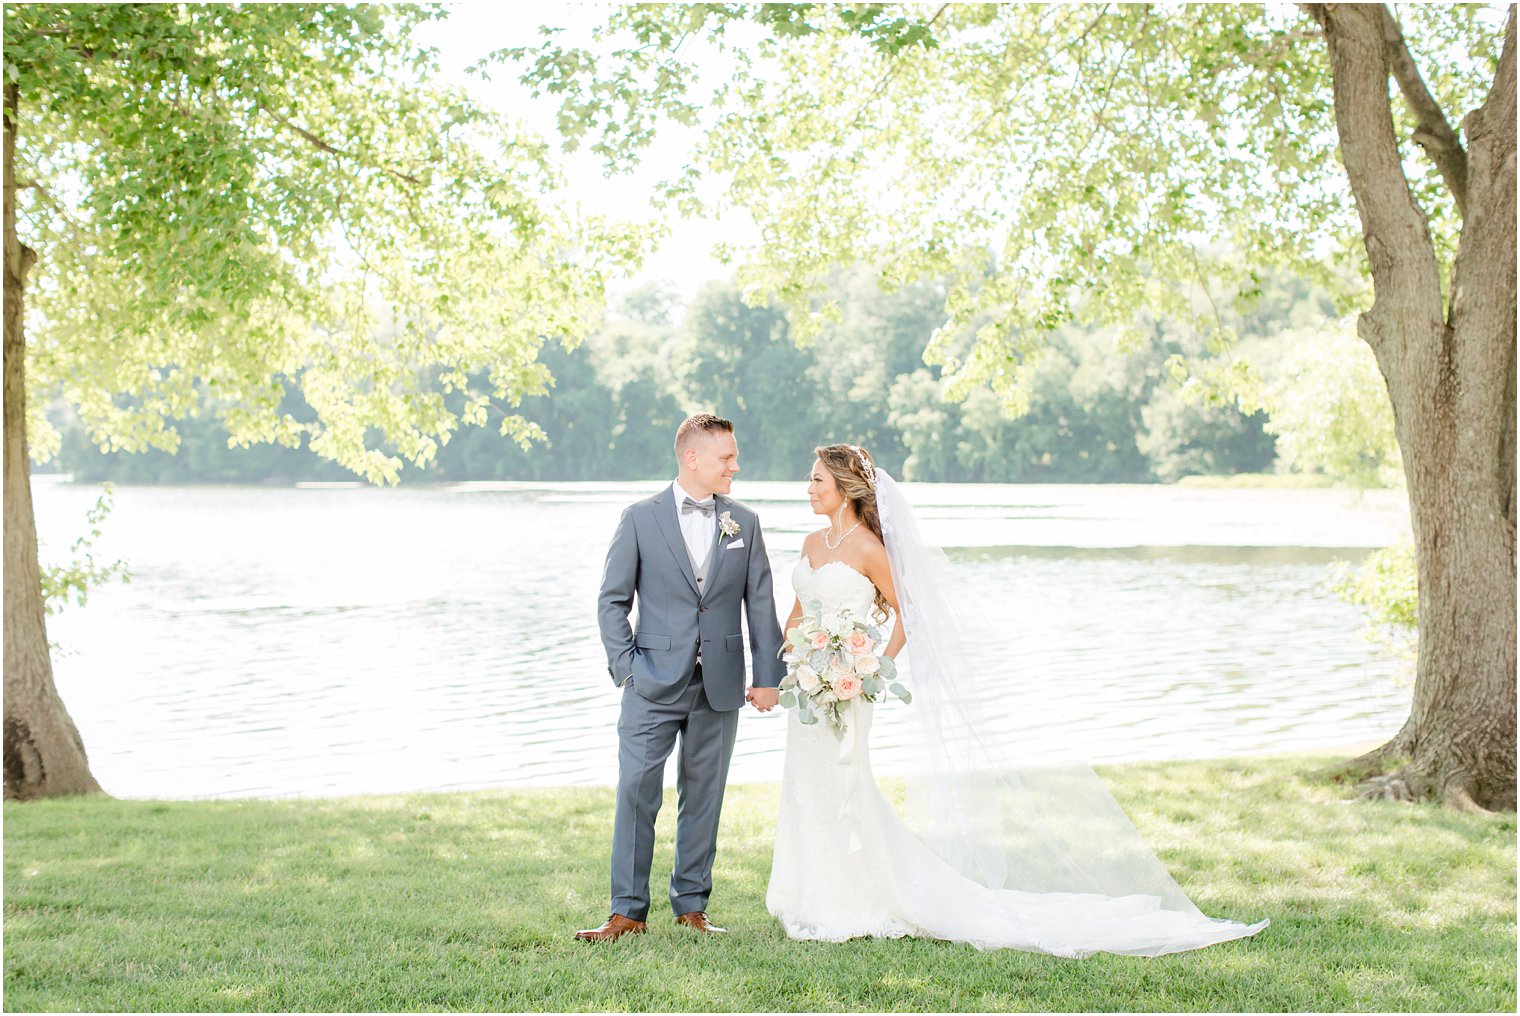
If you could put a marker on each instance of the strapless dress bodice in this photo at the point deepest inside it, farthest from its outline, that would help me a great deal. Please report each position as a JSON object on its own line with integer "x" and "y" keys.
{"x": 833, "y": 584}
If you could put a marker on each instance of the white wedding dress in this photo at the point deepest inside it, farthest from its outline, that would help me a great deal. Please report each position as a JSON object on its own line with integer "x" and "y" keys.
{"x": 847, "y": 866}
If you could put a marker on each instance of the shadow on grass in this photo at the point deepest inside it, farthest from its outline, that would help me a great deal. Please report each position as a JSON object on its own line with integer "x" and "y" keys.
{"x": 469, "y": 901}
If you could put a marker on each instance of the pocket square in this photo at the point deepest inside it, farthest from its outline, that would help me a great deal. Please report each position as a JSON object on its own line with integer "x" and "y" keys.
{"x": 736, "y": 544}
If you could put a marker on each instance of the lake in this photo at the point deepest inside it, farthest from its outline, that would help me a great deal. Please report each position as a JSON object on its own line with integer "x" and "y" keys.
{"x": 339, "y": 639}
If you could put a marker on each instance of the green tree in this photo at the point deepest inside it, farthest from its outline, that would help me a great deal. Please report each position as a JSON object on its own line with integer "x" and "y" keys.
{"x": 1384, "y": 585}
{"x": 738, "y": 361}
{"x": 1084, "y": 416}
{"x": 204, "y": 452}
{"x": 928, "y": 427}
{"x": 1328, "y": 405}
{"x": 1192, "y": 435}
{"x": 1102, "y": 158}
{"x": 634, "y": 351}
{"x": 1329, "y": 411}
{"x": 858, "y": 360}
{"x": 577, "y": 433}
{"x": 236, "y": 199}
{"x": 73, "y": 581}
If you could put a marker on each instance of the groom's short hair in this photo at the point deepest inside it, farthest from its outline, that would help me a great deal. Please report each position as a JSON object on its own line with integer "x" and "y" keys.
{"x": 702, "y": 423}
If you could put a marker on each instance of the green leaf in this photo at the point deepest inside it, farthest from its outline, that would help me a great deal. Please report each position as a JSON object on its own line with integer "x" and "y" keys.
{"x": 284, "y": 212}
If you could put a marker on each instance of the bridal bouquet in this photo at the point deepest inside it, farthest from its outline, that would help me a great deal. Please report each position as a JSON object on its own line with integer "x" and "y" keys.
{"x": 832, "y": 658}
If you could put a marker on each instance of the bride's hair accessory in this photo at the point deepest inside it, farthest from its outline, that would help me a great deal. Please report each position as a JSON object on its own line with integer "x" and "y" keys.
{"x": 866, "y": 465}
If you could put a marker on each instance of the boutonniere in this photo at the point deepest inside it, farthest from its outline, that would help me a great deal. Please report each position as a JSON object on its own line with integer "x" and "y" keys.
{"x": 727, "y": 526}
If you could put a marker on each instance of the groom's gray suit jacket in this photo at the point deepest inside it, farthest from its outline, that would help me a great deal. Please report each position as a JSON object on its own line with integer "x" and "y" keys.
{"x": 678, "y": 618}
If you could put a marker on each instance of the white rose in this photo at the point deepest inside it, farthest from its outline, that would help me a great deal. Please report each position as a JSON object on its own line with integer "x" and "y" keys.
{"x": 867, "y": 664}
{"x": 807, "y": 678}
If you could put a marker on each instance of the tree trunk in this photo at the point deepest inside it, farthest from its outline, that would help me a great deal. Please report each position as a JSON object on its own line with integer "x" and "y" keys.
{"x": 44, "y": 755}
{"x": 1451, "y": 379}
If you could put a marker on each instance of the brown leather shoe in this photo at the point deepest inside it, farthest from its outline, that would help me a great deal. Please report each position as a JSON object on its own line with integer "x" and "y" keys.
{"x": 698, "y": 921}
{"x": 616, "y": 927}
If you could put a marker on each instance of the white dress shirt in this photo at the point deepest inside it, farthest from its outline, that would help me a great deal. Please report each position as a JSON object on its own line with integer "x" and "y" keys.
{"x": 696, "y": 527}
{"x": 697, "y": 530}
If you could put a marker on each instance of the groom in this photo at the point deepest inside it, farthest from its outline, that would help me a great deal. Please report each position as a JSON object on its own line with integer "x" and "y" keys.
{"x": 692, "y": 557}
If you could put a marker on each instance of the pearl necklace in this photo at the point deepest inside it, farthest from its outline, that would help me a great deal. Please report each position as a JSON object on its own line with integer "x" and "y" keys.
{"x": 836, "y": 543}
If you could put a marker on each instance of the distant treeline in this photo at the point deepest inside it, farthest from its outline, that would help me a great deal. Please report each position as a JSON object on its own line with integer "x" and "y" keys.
{"x": 1096, "y": 415}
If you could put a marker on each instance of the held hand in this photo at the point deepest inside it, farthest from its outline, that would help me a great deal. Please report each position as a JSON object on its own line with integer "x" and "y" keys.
{"x": 763, "y": 699}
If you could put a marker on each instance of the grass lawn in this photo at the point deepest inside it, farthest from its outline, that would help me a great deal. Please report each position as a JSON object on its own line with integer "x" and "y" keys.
{"x": 468, "y": 901}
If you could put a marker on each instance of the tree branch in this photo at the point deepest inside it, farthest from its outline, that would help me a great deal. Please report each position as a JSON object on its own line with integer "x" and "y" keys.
{"x": 57, "y": 205}
{"x": 1499, "y": 106}
{"x": 1068, "y": 47}
{"x": 1099, "y": 124}
{"x": 88, "y": 52}
{"x": 321, "y": 145}
{"x": 1102, "y": 12}
{"x": 1405, "y": 276}
{"x": 891, "y": 72}
{"x": 1432, "y": 133}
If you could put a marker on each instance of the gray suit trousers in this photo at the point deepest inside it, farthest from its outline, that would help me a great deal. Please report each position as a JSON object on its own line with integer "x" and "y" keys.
{"x": 647, "y": 732}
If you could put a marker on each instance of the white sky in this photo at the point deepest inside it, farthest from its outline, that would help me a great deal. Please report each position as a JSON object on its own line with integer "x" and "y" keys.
{"x": 475, "y": 29}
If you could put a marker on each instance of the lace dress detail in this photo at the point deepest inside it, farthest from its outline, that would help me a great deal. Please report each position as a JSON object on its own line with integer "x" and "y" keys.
{"x": 845, "y": 865}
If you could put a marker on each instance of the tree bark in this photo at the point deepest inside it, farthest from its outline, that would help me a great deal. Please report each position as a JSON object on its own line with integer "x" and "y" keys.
{"x": 1433, "y": 133}
{"x": 44, "y": 755}
{"x": 1451, "y": 380}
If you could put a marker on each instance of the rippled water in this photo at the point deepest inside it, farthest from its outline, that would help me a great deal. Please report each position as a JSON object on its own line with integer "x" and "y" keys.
{"x": 334, "y": 640}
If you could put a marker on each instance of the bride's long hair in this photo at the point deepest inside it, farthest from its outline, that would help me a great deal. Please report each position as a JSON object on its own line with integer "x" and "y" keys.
{"x": 852, "y": 469}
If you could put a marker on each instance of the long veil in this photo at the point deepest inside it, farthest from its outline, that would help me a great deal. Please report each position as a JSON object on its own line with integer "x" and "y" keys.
{"x": 1040, "y": 826}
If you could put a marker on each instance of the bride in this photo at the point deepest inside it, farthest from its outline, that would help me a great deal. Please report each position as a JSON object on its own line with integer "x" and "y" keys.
{"x": 1036, "y": 856}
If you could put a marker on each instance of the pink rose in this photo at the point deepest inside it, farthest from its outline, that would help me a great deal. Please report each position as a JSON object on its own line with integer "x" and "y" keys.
{"x": 820, "y": 639}
{"x": 857, "y": 643}
{"x": 848, "y": 687}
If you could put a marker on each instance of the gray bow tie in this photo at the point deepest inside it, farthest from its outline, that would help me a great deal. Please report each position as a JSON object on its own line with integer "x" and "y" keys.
{"x": 705, "y": 507}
